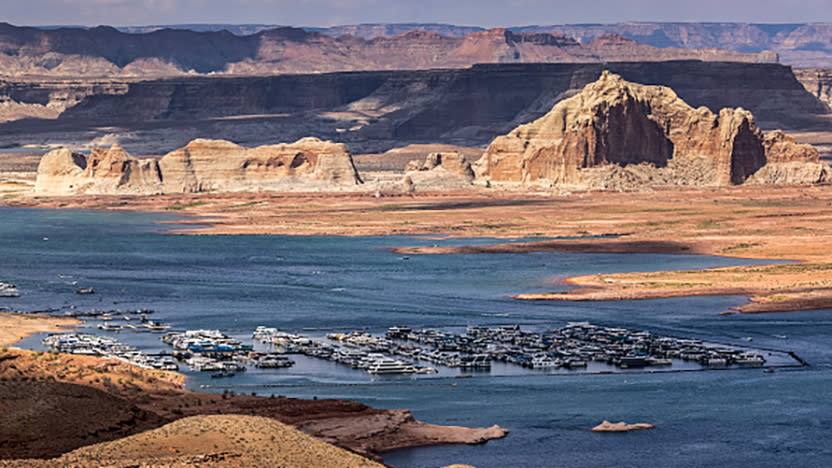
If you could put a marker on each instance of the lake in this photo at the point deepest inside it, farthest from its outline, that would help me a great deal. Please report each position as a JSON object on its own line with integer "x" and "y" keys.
{"x": 712, "y": 418}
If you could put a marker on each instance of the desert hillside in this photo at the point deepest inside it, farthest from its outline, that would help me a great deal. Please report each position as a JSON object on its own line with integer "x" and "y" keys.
{"x": 219, "y": 441}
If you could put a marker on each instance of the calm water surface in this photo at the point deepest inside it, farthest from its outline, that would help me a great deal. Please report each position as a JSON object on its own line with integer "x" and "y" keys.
{"x": 737, "y": 418}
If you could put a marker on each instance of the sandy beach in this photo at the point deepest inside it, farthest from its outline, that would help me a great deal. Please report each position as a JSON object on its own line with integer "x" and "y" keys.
{"x": 15, "y": 327}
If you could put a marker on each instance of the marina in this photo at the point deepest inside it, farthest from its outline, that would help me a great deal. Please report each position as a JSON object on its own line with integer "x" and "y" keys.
{"x": 92, "y": 345}
{"x": 476, "y": 350}
{"x": 214, "y": 351}
{"x": 404, "y": 350}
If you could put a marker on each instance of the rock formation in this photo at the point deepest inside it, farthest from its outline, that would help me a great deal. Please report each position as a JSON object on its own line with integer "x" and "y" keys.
{"x": 617, "y": 134}
{"x": 222, "y": 166}
{"x": 439, "y": 172}
{"x": 404, "y": 104}
{"x": 201, "y": 166}
{"x": 101, "y": 172}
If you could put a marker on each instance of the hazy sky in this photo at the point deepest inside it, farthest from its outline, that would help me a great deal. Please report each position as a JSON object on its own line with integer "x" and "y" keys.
{"x": 487, "y": 13}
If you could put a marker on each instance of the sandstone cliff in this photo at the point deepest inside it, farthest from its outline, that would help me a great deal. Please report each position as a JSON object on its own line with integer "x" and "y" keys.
{"x": 618, "y": 134}
{"x": 201, "y": 166}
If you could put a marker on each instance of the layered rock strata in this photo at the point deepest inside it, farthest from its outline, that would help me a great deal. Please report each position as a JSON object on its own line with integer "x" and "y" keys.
{"x": 222, "y": 166}
{"x": 621, "y": 135}
{"x": 817, "y": 81}
{"x": 200, "y": 166}
{"x": 101, "y": 172}
{"x": 106, "y": 52}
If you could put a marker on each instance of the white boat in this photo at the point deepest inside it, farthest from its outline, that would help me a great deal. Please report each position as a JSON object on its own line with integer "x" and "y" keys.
{"x": 368, "y": 360}
{"x": 389, "y": 366}
{"x": 750, "y": 359}
{"x": 424, "y": 369}
{"x": 156, "y": 326}
{"x": 713, "y": 361}
{"x": 545, "y": 362}
{"x": 9, "y": 290}
{"x": 575, "y": 363}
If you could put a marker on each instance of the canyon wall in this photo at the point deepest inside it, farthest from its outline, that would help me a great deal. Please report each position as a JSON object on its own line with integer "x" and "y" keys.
{"x": 376, "y": 111}
{"x": 105, "y": 51}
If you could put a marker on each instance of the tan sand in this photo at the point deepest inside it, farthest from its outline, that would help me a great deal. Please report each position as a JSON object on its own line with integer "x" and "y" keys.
{"x": 15, "y": 327}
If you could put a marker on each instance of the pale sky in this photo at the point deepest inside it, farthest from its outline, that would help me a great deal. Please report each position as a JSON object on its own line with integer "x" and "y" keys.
{"x": 487, "y": 13}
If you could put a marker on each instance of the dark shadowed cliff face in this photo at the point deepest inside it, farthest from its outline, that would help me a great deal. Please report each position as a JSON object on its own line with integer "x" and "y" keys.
{"x": 374, "y": 111}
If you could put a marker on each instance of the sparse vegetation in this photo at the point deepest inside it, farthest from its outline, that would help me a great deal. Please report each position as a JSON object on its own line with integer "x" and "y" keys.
{"x": 185, "y": 206}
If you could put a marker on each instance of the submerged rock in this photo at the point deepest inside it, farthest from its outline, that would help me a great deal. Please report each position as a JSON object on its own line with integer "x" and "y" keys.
{"x": 607, "y": 426}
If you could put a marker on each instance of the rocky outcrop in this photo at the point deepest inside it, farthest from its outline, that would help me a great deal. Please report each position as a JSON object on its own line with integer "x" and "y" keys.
{"x": 201, "y": 166}
{"x": 381, "y": 431}
{"x": 222, "y": 166}
{"x": 439, "y": 172}
{"x": 618, "y": 134}
{"x": 789, "y": 163}
{"x": 63, "y": 172}
{"x": 607, "y": 426}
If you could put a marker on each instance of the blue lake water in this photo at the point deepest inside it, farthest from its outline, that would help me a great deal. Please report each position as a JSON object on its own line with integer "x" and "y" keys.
{"x": 235, "y": 283}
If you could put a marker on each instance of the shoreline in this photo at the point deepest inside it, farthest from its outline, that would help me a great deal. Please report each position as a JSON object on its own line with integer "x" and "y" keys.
{"x": 15, "y": 327}
{"x": 785, "y": 223}
{"x": 162, "y": 397}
